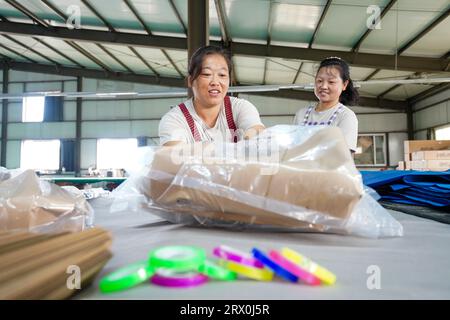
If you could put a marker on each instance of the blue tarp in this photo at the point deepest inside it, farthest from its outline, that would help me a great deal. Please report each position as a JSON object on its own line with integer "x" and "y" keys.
{"x": 422, "y": 188}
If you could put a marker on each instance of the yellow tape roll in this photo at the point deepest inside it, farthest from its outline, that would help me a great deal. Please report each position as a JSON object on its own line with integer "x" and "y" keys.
{"x": 320, "y": 272}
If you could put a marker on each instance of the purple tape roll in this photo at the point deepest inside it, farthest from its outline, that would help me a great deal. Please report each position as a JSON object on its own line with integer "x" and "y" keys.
{"x": 235, "y": 255}
{"x": 169, "y": 278}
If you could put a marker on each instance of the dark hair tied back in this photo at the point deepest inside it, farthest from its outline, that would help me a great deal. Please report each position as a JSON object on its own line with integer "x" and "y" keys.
{"x": 350, "y": 96}
{"x": 196, "y": 62}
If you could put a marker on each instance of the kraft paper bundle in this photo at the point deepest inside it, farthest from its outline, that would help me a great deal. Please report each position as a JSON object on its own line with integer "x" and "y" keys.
{"x": 44, "y": 266}
{"x": 29, "y": 204}
{"x": 308, "y": 180}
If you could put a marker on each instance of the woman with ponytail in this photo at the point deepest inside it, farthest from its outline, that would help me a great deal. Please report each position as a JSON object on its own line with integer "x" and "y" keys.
{"x": 334, "y": 89}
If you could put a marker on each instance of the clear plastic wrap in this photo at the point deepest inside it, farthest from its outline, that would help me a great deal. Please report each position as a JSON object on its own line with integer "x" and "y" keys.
{"x": 28, "y": 204}
{"x": 288, "y": 178}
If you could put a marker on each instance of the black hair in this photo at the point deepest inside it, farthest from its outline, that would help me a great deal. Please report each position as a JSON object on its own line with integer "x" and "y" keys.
{"x": 350, "y": 96}
{"x": 196, "y": 62}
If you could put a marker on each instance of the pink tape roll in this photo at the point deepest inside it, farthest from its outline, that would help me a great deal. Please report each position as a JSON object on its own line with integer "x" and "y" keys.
{"x": 234, "y": 255}
{"x": 179, "y": 280}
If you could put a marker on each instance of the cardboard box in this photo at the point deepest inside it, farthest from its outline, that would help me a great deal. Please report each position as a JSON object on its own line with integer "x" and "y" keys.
{"x": 431, "y": 155}
{"x": 423, "y": 145}
{"x": 407, "y": 165}
{"x": 431, "y": 165}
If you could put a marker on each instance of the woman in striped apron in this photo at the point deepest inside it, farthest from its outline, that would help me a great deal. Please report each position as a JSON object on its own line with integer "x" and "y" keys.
{"x": 210, "y": 115}
{"x": 334, "y": 89}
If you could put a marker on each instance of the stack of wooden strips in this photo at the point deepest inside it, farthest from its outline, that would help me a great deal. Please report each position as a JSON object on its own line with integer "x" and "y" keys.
{"x": 45, "y": 266}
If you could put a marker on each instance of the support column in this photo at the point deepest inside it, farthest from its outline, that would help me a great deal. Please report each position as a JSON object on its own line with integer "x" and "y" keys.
{"x": 77, "y": 155}
{"x": 198, "y": 25}
{"x": 4, "y": 115}
{"x": 410, "y": 122}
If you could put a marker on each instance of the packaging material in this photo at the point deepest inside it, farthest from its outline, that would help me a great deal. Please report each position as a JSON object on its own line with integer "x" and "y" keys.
{"x": 32, "y": 205}
{"x": 431, "y": 155}
{"x": 423, "y": 145}
{"x": 44, "y": 266}
{"x": 430, "y": 165}
{"x": 287, "y": 178}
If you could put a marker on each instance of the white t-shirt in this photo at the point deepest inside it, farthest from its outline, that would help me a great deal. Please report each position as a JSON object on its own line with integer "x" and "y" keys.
{"x": 346, "y": 120}
{"x": 174, "y": 127}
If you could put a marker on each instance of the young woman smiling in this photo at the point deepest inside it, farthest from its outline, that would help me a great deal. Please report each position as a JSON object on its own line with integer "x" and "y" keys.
{"x": 334, "y": 89}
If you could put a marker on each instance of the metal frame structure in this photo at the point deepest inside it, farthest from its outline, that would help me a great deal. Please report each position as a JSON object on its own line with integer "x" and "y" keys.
{"x": 199, "y": 11}
{"x": 322, "y": 17}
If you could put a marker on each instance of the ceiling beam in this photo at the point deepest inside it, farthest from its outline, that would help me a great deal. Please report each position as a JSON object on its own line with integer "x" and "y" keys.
{"x": 179, "y": 82}
{"x": 17, "y": 53}
{"x": 368, "y": 60}
{"x": 414, "y": 40}
{"x": 311, "y": 41}
{"x": 381, "y": 95}
{"x": 319, "y": 24}
{"x": 364, "y": 36}
{"x": 96, "y": 74}
{"x": 98, "y": 15}
{"x": 137, "y": 54}
{"x": 28, "y": 13}
{"x": 269, "y": 23}
{"x": 114, "y": 58}
{"x": 265, "y": 71}
{"x": 29, "y": 49}
{"x": 51, "y": 6}
{"x": 58, "y": 52}
{"x": 428, "y": 93}
{"x": 370, "y": 76}
{"x": 177, "y": 13}
{"x": 446, "y": 56}
{"x": 224, "y": 30}
{"x": 88, "y": 55}
{"x": 172, "y": 62}
{"x": 430, "y": 27}
{"x": 149, "y": 32}
{"x": 48, "y": 45}
{"x": 137, "y": 16}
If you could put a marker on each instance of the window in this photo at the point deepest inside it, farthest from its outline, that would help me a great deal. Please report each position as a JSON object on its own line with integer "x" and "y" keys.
{"x": 371, "y": 150}
{"x": 33, "y": 109}
{"x": 115, "y": 153}
{"x": 40, "y": 154}
{"x": 442, "y": 133}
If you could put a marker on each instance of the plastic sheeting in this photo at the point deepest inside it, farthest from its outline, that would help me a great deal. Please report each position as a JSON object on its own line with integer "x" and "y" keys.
{"x": 422, "y": 188}
{"x": 28, "y": 204}
{"x": 288, "y": 178}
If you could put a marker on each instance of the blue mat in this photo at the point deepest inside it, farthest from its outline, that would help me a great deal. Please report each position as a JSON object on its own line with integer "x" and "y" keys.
{"x": 422, "y": 188}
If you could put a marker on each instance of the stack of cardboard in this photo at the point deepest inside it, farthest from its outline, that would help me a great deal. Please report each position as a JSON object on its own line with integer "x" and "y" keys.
{"x": 315, "y": 174}
{"x": 50, "y": 266}
{"x": 426, "y": 155}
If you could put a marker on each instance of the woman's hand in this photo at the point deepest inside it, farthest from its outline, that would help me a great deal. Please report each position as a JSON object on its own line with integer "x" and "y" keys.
{"x": 253, "y": 131}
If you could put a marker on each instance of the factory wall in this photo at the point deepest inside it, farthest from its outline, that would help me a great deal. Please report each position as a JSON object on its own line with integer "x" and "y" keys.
{"x": 125, "y": 118}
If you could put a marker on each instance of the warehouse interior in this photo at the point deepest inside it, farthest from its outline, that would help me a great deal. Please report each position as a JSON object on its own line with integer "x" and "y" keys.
{"x": 119, "y": 51}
